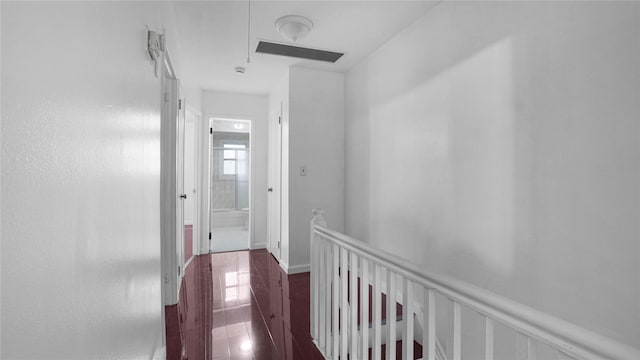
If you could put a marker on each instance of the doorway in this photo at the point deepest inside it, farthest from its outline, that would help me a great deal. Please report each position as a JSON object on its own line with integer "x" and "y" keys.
{"x": 230, "y": 164}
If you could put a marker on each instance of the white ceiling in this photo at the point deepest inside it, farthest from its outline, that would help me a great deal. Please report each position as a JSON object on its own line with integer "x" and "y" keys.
{"x": 213, "y": 37}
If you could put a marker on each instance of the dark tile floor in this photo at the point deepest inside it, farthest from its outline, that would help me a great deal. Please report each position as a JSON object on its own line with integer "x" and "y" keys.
{"x": 241, "y": 305}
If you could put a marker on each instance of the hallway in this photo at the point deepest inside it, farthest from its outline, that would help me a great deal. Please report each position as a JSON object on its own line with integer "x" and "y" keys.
{"x": 241, "y": 305}
{"x": 492, "y": 143}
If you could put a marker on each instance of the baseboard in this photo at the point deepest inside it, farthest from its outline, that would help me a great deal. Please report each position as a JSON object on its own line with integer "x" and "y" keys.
{"x": 297, "y": 269}
{"x": 284, "y": 266}
{"x": 160, "y": 353}
{"x": 187, "y": 264}
{"x": 258, "y": 246}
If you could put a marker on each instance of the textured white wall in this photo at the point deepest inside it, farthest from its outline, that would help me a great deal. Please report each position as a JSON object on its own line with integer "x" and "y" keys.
{"x": 80, "y": 181}
{"x": 255, "y": 108}
{"x": 316, "y": 141}
{"x": 498, "y": 142}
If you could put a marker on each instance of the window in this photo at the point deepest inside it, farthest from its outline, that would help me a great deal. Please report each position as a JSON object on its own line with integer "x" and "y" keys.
{"x": 230, "y": 157}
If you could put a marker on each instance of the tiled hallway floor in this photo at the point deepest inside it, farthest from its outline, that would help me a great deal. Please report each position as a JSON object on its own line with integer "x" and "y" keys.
{"x": 255, "y": 311}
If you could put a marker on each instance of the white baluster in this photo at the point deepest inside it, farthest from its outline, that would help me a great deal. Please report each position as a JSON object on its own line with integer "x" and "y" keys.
{"x": 322, "y": 284}
{"x": 328, "y": 294}
{"x": 391, "y": 315}
{"x": 317, "y": 219}
{"x": 526, "y": 347}
{"x": 364, "y": 309}
{"x": 521, "y": 346}
{"x": 344, "y": 305}
{"x": 488, "y": 339}
{"x": 425, "y": 321}
{"x": 431, "y": 340}
{"x": 532, "y": 349}
{"x": 335, "y": 303}
{"x": 353, "y": 303}
{"x": 457, "y": 331}
{"x": 377, "y": 313}
{"x": 313, "y": 265}
{"x": 407, "y": 316}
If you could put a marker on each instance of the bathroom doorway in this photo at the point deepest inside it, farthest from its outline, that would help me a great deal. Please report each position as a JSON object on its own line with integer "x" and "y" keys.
{"x": 230, "y": 164}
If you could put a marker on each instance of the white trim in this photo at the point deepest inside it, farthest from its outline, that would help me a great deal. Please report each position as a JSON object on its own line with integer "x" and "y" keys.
{"x": 258, "y": 246}
{"x": 295, "y": 269}
{"x": 186, "y": 264}
{"x": 298, "y": 269}
{"x": 284, "y": 267}
{"x": 160, "y": 353}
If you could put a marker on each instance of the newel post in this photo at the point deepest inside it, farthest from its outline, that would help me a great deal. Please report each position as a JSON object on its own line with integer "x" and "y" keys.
{"x": 315, "y": 257}
{"x": 318, "y": 219}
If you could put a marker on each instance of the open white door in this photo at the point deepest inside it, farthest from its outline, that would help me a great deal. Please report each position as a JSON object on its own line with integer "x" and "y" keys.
{"x": 274, "y": 197}
{"x": 191, "y": 209}
{"x": 180, "y": 193}
{"x": 171, "y": 183}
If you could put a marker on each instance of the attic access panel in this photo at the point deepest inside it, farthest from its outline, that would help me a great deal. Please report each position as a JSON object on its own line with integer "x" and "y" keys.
{"x": 297, "y": 52}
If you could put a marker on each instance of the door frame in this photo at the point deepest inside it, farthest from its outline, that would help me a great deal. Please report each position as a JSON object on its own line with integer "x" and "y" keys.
{"x": 211, "y": 118}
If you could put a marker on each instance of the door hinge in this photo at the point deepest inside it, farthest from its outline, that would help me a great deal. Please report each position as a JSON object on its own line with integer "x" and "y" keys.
{"x": 180, "y": 104}
{"x": 166, "y": 97}
{"x": 178, "y": 270}
{"x": 209, "y": 235}
{"x": 279, "y": 120}
{"x": 210, "y": 130}
{"x": 278, "y": 244}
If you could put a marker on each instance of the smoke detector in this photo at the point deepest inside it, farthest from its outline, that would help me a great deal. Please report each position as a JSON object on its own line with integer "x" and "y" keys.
{"x": 293, "y": 27}
{"x": 240, "y": 70}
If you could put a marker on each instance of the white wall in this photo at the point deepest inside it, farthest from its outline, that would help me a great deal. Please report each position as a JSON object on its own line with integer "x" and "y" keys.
{"x": 315, "y": 141}
{"x": 255, "y": 108}
{"x": 80, "y": 181}
{"x": 497, "y": 142}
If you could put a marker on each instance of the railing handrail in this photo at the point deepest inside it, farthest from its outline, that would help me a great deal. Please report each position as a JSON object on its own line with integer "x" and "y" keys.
{"x": 560, "y": 334}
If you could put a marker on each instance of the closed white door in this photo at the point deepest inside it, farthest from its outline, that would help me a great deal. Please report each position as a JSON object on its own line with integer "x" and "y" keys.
{"x": 274, "y": 197}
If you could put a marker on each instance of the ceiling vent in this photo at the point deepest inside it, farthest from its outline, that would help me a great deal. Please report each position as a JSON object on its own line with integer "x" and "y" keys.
{"x": 265, "y": 47}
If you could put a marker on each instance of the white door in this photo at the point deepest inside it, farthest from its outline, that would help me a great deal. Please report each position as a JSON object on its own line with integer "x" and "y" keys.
{"x": 274, "y": 197}
{"x": 180, "y": 193}
{"x": 170, "y": 184}
{"x": 190, "y": 176}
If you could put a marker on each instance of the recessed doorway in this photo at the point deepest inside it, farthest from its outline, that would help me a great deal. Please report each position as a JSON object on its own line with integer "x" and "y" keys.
{"x": 230, "y": 156}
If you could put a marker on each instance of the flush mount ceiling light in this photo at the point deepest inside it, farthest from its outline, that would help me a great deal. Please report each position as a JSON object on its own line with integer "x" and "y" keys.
{"x": 293, "y": 27}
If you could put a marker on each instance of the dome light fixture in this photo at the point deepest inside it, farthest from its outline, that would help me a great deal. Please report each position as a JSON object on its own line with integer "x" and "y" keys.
{"x": 293, "y": 27}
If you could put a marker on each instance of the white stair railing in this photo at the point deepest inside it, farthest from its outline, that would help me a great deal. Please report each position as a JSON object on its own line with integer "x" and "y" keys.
{"x": 343, "y": 267}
